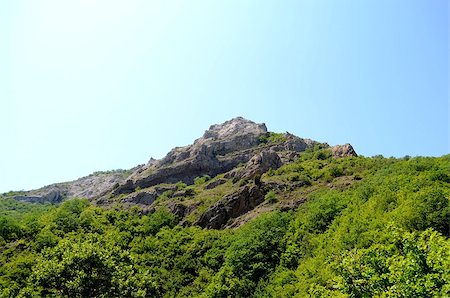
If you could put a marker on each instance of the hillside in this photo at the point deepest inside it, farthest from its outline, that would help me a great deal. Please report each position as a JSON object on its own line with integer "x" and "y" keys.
{"x": 241, "y": 212}
{"x": 228, "y": 156}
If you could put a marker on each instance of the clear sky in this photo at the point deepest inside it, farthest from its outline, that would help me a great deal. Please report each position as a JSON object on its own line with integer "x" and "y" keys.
{"x": 90, "y": 85}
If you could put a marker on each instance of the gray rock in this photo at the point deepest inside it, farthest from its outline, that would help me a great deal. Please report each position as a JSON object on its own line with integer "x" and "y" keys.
{"x": 90, "y": 187}
{"x": 293, "y": 143}
{"x": 222, "y": 147}
{"x": 259, "y": 164}
{"x": 215, "y": 183}
{"x": 231, "y": 206}
{"x": 147, "y": 196}
{"x": 346, "y": 150}
{"x": 54, "y": 196}
{"x": 143, "y": 197}
{"x": 181, "y": 210}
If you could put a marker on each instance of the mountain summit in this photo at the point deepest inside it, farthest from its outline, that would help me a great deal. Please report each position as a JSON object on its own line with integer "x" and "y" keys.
{"x": 221, "y": 148}
{"x": 241, "y": 212}
{"x": 236, "y": 150}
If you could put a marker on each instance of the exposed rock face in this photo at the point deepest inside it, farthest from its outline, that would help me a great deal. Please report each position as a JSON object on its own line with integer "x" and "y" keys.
{"x": 215, "y": 183}
{"x": 222, "y": 147}
{"x": 346, "y": 150}
{"x": 260, "y": 163}
{"x": 181, "y": 210}
{"x": 239, "y": 148}
{"x": 89, "y": 187}
{"x": 143, "y": 198}
{"x": 231, "y": 206}
{"x": 147, "y": 197}
{"x": 54, "y": 196}
{"x": 293, "y": 143}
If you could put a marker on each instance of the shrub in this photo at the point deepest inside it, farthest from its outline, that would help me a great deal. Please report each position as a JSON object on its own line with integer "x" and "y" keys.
{"x": 270, "y": 197}
{"x": 202, "y": 179}
{"x": 180, "y": 185}
{"x": 335, "y": 171}
{"x": 189, "y": 191}
{"x": 272, "y": 137}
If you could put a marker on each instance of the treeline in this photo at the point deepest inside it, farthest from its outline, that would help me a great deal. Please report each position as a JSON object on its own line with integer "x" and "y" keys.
{"x": 384, "y": 235}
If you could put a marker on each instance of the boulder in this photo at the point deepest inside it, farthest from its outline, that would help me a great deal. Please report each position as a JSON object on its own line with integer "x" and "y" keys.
{"x": 340, "y": 151}
{"x": 260, "y": 163}
{"x": 215, "y": 183}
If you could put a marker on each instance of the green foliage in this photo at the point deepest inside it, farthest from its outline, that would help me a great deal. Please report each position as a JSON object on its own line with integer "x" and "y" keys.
{"x": 272, "y": 138}
{"x": 180, "y": 185}
{"x": 189, "y": 191}
{"x": 151, "y": 224}
{"x": 409, "y": 265}
{"x": 85, "y": 266}
{"x": 9, "y": 228}
{"x": 369, "y": 227}
{"x": 201, "y": 180}
{"x": 45, "y": 238}
{"x": 252, "y": 255}
{"x": 270, "y": 197}
{"x": 270, "y": 172}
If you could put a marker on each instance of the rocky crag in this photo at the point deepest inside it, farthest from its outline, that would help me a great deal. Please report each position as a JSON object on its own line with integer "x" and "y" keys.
{"x": 221, "y": 149}
{"x": 92, "y": 186}
{"x": 230, "y": 157}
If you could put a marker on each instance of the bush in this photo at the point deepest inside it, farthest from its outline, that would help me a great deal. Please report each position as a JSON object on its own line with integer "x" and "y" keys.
{"x": 270, "y": 197}
{"x": 413, "y": 265}
{"x": 9, "y": 229}
{"x": 189, "y": 191}
{"x": 252, "y": 255}
{"x": 180, "y": 185}
{"x": 272, "y": 137}
{"x": 202, "y": 179}
{"x": 322, "y": 154}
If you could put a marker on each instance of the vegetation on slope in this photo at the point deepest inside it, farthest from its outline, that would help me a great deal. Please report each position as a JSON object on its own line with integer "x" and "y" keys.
{"x": 368, "y": 227}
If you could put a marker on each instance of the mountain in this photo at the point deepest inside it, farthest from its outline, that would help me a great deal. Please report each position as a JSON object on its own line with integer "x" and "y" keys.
{"x": 236, "y": 150}
{"x": 241, "y": 212}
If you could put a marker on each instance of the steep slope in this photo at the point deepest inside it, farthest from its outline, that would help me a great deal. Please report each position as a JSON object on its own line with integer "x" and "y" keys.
{"x": 233, "y": 155}
{"x": 90, "y": 187}
{"x": 216, "y": 181}
{"x": 294, "y": 218}
{"x": 362, "y": 227}
{"x": 221, "y": 148}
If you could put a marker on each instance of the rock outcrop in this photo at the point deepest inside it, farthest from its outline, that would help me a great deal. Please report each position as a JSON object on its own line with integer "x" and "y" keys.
{"x": 53, "y": 196}
{"x": 147, "y": 196}
{"x": 221, "y": 148}
{"x": 92, "y": 186}
{"x": 180, "y": 210}
{"x": 346, "y": 150}
{"x": 215, "y": 183}
{"x": 259, "y": 164}
{"x": 231, "y": 206}
{"x": 239, "y": 149}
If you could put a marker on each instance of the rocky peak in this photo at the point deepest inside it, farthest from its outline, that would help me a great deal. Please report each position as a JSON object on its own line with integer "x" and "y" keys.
{"x": 238, "y": 148}
{"x": 221, "y": 148}
{"x": 233, "y": 128}
{"x": 345, "y": 150}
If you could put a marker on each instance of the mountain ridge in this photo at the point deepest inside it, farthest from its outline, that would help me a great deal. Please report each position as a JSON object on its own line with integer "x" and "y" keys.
{"x": 237, "y": 149}
{"x": 283, "y": 224}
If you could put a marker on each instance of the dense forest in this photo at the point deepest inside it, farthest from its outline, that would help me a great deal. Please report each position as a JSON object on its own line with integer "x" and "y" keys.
{"x": 368, "y": 227}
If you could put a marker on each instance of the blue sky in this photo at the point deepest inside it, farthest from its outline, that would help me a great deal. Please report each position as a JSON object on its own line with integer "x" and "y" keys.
{"x": 90, "y": 85}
